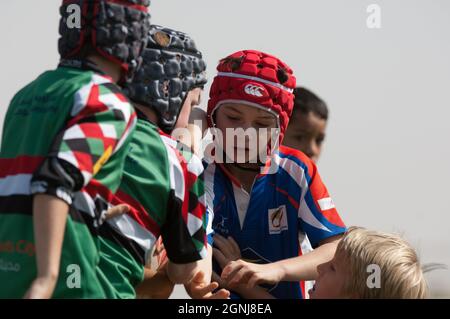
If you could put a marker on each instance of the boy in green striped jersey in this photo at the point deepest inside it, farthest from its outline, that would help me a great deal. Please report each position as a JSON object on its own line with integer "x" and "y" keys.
{"x": 64, "y": 141}
{"x": 162, "y": 181}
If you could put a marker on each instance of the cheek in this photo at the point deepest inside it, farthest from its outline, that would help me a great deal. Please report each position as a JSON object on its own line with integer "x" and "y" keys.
{"x": 330, "y": 286}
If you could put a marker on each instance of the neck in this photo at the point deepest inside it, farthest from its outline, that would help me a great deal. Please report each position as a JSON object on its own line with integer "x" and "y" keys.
{"x": 148, "y": 112}
{"x": 245, "y": 177}
{"x": 110, "y": 68}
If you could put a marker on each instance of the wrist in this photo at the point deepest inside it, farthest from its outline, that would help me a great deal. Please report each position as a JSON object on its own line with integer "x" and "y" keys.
{"x": 281, "y": 270}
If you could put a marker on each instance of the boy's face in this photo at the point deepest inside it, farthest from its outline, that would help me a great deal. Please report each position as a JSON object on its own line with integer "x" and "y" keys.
{"x": 331, "y": 280}
{"x": 241, "y": 116}
{"x": 192, "y": 99}
{"x": 306, "y": 132}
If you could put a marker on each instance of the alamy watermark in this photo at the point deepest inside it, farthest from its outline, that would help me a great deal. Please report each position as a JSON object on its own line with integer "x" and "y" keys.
{"x": 73, "y": 280}
{"x": 73, "y": 20}
{"x": 374, "y": 279}
{"x": 374, "y": 18}
{"x": 236, "y": 145}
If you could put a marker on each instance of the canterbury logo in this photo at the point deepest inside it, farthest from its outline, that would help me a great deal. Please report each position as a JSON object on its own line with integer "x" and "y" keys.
{"x": 254, "y": 90}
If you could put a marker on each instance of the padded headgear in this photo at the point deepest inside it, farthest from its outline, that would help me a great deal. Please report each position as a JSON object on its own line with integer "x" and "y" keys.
{"x": 116, "y": 29}
{"x": 254, "y": 78}
{"x": 172, "y": 66}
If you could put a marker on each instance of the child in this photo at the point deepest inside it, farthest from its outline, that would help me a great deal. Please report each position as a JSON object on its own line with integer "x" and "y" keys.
{"x": 162, "y": 181}
{"x": 346, "y": 275}
{"x": 74, "y": 125}
{"x": 282, "y": 212}
{"x": 307, "y": 125}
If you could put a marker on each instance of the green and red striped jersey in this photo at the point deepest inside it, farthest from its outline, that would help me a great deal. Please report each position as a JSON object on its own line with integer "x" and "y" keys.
{"x": 163, "y": 184}
{"x": 65, "y": 134}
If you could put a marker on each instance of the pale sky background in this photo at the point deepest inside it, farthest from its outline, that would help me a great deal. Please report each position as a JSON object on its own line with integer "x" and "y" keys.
{"x": 387, "y": 153}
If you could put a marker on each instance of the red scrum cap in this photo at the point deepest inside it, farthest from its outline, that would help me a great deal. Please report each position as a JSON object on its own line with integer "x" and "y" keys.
{"x": 254, "y": 78}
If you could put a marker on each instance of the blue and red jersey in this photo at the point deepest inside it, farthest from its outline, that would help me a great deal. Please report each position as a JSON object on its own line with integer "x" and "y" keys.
{"x": 287, "y": 213}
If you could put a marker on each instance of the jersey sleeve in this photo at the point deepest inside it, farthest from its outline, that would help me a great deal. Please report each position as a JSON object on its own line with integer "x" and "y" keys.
{"x": 100, "y": 121}
{"x": 209, "y": 203}
{"x": 184, "y": 232}
{"x": 317, "y": 214}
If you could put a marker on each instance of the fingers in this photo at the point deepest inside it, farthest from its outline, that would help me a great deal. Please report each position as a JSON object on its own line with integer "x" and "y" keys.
{"x": 215, "y": 277}
{"x": 254, "y": 280}
{"x": 162, "y": 262}
{"x": 198, "y": 277}
{"x": 208, "y": 289}
{"x": 117, "y": 211}
{"x": 239, "y": 277}
{"x": 221, "y": 259}
{"x": 159, "y": 247}
{"x": 221, "y": 294}
{"x": 231, "y": 268}
{"x": 235, "y": 246}
{"x": 224, "y": 246}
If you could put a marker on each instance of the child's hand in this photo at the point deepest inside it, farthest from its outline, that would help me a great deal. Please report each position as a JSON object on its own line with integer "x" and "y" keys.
{"x": 116, "y": 211}
{"x": 227, "y": 251}
{"x": 41, "y": 288}
{"x": 199, "y": 289}
{"x": 242, "y": 272}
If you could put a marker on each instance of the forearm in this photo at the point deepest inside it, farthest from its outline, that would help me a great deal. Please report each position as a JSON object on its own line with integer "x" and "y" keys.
{"x": 305, "y": 267}
{"x": 49, "y": 222}
{"x": 156, "y": 285}
{"x": 205, "y": 266}
{"x": 181, "y": 273}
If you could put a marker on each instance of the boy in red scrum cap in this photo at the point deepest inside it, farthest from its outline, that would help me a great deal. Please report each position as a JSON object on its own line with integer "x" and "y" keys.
{"x": 271, "y": 208}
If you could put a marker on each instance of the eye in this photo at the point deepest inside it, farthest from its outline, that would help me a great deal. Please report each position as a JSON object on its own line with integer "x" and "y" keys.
{"x": 232, "y": 118}
{"x": 262, "y": 125}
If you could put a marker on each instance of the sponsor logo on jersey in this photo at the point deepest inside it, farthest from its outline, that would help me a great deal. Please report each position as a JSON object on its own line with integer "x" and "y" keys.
{"x": 277, "y": 220}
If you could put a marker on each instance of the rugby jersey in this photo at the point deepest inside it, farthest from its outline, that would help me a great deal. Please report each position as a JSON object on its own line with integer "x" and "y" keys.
{"x": 163, "y": 184}
{"x": 79, "y": 118}
{"x": 287, "y": 213}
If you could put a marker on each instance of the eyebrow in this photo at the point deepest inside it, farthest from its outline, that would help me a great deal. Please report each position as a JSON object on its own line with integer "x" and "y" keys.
{"x": 260, "y": 117}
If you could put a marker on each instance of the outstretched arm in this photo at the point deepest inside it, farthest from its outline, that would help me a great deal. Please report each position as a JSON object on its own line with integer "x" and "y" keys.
{"x": 293, "y": 269}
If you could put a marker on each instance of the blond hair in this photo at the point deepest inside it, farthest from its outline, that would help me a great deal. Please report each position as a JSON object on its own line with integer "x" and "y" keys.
{"x": 401, "y": 275}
